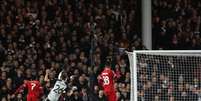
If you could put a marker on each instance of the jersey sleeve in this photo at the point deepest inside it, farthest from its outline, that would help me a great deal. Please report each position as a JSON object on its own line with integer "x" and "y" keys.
{"x": 21, "y": 88}
{"x": 100, "y": 80}
{"x": 114, "y": 74}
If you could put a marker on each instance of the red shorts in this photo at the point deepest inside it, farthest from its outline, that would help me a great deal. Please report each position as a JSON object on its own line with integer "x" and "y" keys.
{"x": 111, "y": 95}
{"x": 32, "y": 98}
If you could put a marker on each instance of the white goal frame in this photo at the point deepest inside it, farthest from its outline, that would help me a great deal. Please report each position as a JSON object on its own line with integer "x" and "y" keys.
{"x": 133, "y": 63}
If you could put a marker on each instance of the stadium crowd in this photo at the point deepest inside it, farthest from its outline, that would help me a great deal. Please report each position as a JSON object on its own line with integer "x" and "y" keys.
{"x": 42, "y": 36}
{"x": 176, "y": 24}
{"x": 39, "y": 37}
{"x": 169, "y": 78}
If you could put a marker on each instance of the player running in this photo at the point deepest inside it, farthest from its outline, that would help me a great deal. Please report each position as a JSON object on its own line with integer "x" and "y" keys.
{"x": 105, "y": 79}
{"x": 58, "y": 88}
{"x": 35, "y": 90}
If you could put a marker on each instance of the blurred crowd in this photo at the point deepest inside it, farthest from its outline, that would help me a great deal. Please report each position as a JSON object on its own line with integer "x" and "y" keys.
{"x": 169, "y": 78}
{"x": 37, "y": 36}
{"x": 176, "y": 24}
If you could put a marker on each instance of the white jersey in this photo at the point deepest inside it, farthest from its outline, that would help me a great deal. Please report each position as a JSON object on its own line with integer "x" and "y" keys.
{"x": 57, "y": 90}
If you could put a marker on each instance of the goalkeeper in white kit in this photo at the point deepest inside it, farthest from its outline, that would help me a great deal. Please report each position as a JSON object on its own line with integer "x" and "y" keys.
{"x": 59, "y": 87}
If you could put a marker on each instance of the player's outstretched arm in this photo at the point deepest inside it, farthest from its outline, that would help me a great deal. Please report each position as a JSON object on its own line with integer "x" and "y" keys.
{"x": 46, "y": 79}
{"x": 19, "y": 90}
{"x": 59, "y": 76}
{"x": 114, "y": 76}
{"x": 100, "y": 80}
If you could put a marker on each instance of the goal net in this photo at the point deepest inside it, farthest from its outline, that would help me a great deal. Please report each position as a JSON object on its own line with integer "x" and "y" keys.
{"x": 165, "y": 75}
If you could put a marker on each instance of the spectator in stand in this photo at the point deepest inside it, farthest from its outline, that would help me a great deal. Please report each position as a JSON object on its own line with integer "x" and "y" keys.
{"x": 36, "y": 36}
{"x": 176, "y": 24}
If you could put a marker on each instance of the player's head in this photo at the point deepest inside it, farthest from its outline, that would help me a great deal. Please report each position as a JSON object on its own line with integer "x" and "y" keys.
{"x": 31, "y": 79}
{"x": 64, "y": 76}
{"x": 108, "y": 61}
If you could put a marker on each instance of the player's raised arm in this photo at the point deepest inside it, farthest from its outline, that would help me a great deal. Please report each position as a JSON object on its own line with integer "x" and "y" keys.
{"x": 60, "y": 74}
{"x": 46, "y": 79}
{"x": 21, "y": 88}
{"x": 100, "y": 80}
{"x": 114, "y": 75}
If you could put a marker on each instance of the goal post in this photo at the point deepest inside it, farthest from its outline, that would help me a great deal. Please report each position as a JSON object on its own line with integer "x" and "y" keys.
{"x": 165, "y": 75}
{"x": 132, "y": 57}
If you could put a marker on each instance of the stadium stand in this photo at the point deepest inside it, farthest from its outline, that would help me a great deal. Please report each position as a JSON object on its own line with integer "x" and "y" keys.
{"x": 176, "y": 24}
{"x": 41, "y": 35}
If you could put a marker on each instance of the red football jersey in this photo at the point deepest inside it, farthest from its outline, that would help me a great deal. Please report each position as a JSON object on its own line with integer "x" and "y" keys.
{"x": 107, "y": 77}
{"x": 34, "y": 88}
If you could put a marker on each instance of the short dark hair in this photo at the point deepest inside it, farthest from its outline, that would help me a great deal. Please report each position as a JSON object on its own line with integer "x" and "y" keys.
{"x": 64, "y": 75}
{"x": 108, "y": 61}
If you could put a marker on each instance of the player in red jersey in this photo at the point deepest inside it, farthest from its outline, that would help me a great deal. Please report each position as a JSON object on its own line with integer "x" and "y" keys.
{"x": 106, "y": 80}
{"x": 35, "y": 90}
